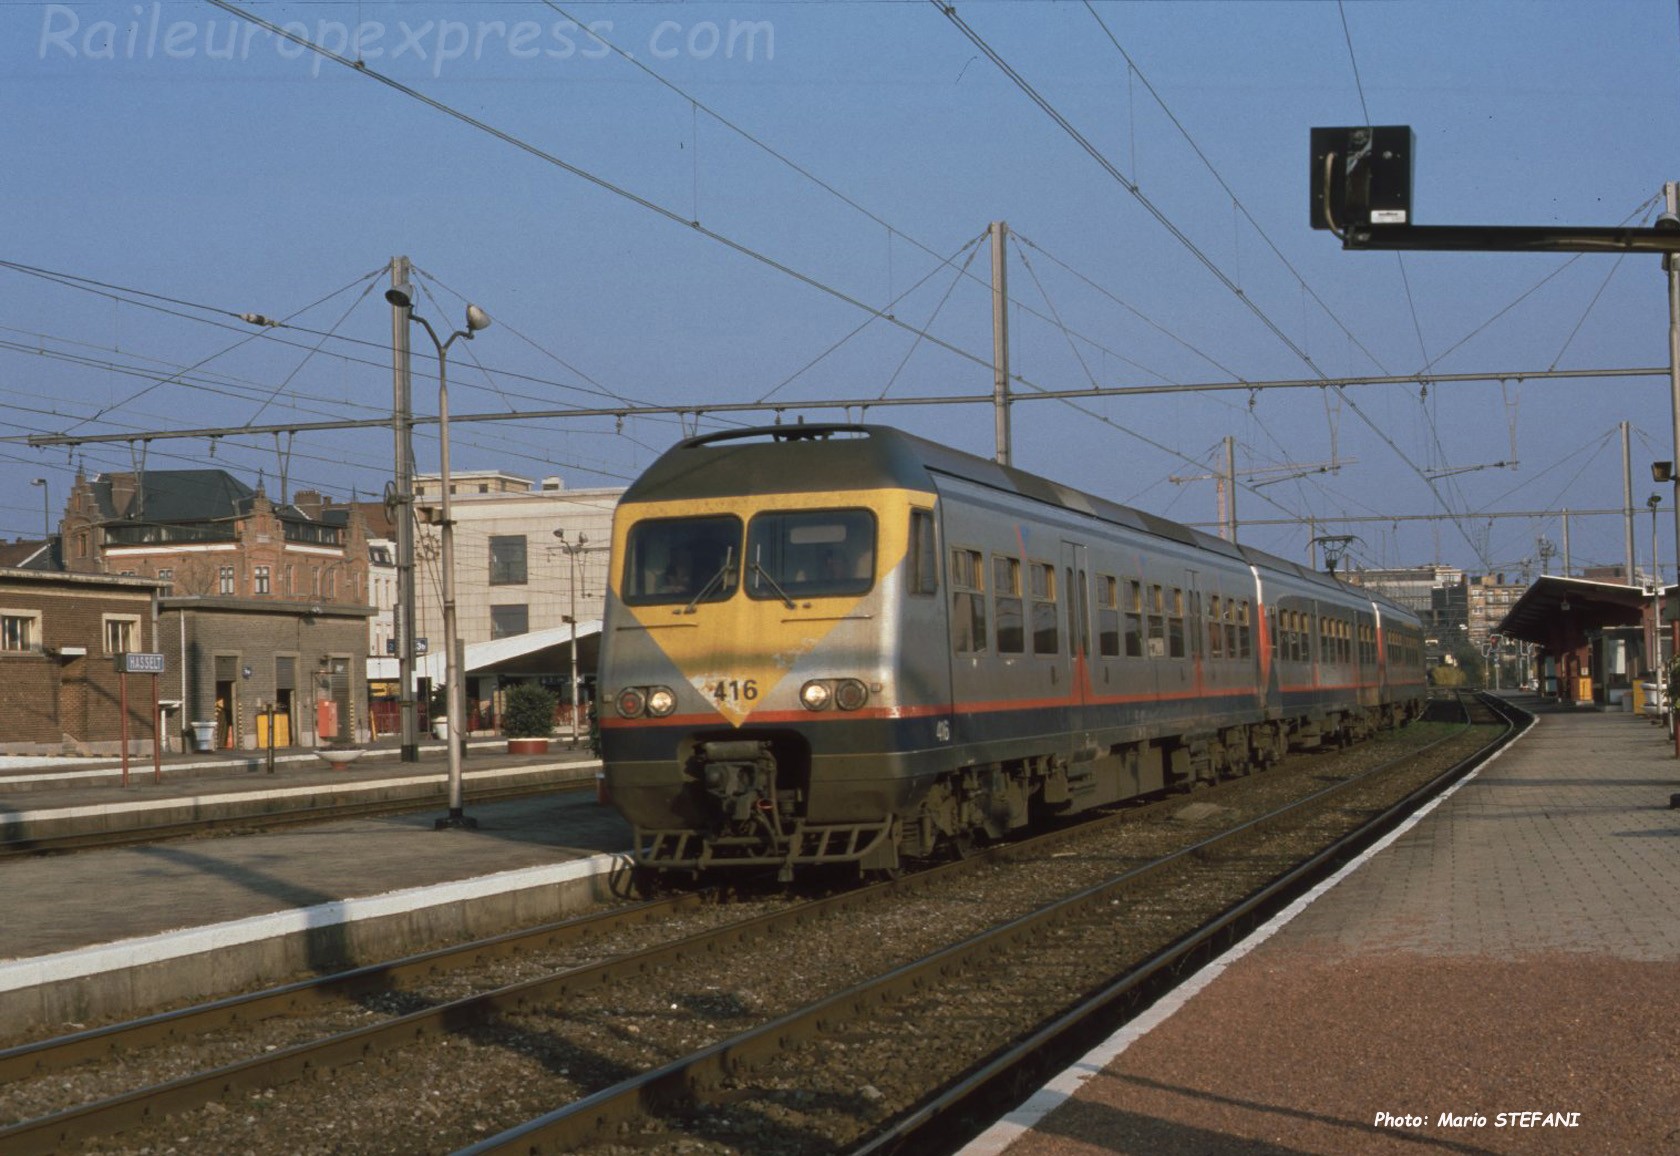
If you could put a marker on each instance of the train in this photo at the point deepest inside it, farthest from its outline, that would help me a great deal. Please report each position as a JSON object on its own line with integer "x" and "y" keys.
{"x": 842, "y": 645}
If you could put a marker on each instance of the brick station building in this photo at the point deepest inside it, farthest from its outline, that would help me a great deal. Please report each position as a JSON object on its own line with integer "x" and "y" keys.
{"x": 60, "y": 692}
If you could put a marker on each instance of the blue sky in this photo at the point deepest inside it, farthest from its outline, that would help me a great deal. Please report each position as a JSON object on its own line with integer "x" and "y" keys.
{"x": 171, "y": 149}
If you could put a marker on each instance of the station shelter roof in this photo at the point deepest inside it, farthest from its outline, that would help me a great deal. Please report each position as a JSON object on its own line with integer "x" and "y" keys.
{"x": 1557, "y": 612}
{"x": 537, "y": 652}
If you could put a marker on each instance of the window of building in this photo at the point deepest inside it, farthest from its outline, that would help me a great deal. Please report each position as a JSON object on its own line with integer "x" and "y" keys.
{"x": 1108, "y": 616}
{"x": 122, "y": 633}
{"x": 968, "y": 602}
{"x": 1046, "y": 635}
{"x": 20, "y": 631}
{"x": 259, "y": 577}
{"x": 1006, "y": 597}
{"x": 225, "y": 580}
{"x": 507, "y": 559}
{"x": 506, "y": 621}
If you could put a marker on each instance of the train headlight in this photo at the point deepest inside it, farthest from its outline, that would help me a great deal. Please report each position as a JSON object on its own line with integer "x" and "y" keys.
{"x": 815, "y": 695}
{"x": 631, "y": 702}
{"x": 850, "y": 694}
{"x": 660, "y": 702}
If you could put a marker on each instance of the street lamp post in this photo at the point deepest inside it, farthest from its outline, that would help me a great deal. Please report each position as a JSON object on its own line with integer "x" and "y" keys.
{"x": 454, "y": 691}
{"x": 1653, "y": 502}
{"x": 46, "y": 509}
{"x": 573, "y": 549}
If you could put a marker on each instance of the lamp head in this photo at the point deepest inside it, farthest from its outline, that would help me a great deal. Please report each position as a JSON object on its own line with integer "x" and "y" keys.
{"x": 476, "y": 319}
{"x": 38, "y": 481}
{"x": 398, "y": 298}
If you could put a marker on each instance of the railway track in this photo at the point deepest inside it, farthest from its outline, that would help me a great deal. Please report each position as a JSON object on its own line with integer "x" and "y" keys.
{"x": 629, "y": 1017}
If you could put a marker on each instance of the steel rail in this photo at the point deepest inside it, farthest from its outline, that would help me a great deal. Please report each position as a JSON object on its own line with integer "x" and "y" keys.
{"x": 118, "y": 1113}
{"x": 691, "y": 1080}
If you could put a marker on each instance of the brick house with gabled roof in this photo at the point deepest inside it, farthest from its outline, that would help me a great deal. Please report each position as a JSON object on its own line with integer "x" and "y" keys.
{"x": 266, "y": 605}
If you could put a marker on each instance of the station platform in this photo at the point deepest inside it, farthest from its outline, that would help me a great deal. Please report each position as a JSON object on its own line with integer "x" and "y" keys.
{"x": 95, "y": 935}
{"x": 1499, "y": 976}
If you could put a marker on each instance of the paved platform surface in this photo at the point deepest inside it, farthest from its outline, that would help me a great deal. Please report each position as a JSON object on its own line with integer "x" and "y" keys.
{"x": 86, "y": 934}
{"x": 1500, "y": 978}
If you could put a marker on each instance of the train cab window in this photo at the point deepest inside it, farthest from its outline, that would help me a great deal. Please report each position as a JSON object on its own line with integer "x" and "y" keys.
{"x": 968, "y": 602}
{"x": 682, "y": 560}
{"x": 1006, "y": 598}
{"x": 1175, "y": 623}
{"x": 1046, "y": 635}
{"x": 923, "y": 558}
{"x": 810, "y": 554}
{"x": 1216, "y": 636}
{"x": 1134, "y": 620}
{"x": 1108, "y": 616}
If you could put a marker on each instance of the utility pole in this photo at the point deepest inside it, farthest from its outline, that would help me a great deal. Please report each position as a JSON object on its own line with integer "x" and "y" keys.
{"x": 1670, "y": 218}
{"x": 399, "y": 506}
{"x": 1627, "y": 505}
{"x": 1231, "y": 489}
{"x": 1000, "y": 341}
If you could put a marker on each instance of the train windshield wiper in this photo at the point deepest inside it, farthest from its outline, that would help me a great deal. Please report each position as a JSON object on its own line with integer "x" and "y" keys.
{"x": 714, "y": 581}
{"x": 774, "y": 585}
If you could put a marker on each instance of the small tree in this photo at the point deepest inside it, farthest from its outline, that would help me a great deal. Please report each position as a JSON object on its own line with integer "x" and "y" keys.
{"x": 528, "y": 712}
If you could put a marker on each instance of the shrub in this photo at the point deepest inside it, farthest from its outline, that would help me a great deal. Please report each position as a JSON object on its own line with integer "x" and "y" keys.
{"x": 528, "y": 712}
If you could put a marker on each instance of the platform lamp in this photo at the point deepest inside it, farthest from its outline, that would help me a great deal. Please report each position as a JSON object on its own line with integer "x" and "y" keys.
{"x": 572, "y": 550}
{"x": 456, "y": 709}
{"x": 46, "y": 509}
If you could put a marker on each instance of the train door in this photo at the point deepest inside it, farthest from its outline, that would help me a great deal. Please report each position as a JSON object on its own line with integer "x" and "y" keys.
{"x": 1076, "y": 581}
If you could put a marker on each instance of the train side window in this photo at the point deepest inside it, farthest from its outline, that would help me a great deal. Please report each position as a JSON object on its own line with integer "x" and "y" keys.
{"x": 1216, "y": 637}
{"x": 1230, "y": 621}
{"x": 1157, "y": 623}
{"x": 1108, "y": 615}
{"x": 1175, "y": 623}
{"x": 1006, "y": 598}
{"x": 968, "y": 602}
{"x": 1245, "y": 636}
{"x": 924, "y": 558}
{"x": 1134, "y": 621}
{"x": 1046, "y": 638}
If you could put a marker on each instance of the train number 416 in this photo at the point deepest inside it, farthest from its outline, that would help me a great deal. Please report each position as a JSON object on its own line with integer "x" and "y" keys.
{"x": 733, "y": 690}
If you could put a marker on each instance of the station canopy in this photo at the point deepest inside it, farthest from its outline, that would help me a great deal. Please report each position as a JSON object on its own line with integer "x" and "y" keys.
{"x": 538, "y": 652}
{"x": 1554, "y": 608}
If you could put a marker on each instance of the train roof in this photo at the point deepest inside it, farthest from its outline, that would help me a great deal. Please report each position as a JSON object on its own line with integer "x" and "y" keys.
{"x": 845, "y": 456}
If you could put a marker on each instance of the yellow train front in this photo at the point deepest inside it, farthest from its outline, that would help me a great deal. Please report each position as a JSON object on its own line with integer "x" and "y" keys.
{"x": 755, "y": 643}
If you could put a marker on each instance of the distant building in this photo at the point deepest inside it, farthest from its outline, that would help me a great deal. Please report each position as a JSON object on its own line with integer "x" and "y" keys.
{"x": 60, "y": 692}
{"x": 512, "y": 575}
{"x": 265, "y": 609}
{"x": 1489, "y": 599}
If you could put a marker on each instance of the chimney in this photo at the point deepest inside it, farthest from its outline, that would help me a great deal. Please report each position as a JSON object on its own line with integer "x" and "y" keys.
{"x": 310, "y": 502}
{"x": 123, "y": 489}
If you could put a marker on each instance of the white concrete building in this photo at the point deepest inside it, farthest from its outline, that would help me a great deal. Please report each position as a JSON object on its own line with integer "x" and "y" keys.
{"x": 512, "y": 575}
